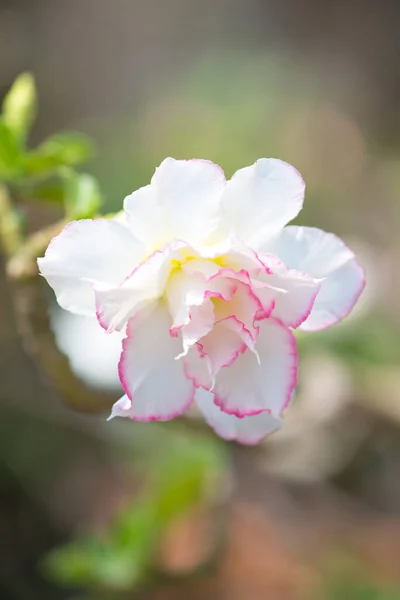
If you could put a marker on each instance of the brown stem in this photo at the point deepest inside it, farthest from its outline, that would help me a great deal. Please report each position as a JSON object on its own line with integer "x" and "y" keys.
{"x": 22, "y": 264}
{"x": 31, "y": 309}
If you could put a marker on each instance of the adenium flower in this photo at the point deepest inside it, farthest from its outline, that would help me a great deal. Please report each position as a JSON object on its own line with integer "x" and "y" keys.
{"x": 208, "y": 283}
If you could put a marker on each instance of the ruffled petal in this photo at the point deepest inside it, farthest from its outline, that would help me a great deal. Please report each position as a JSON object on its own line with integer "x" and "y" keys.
{"x": 201, "y": 322}
{"x": 197, "y": 368}
{"x": 221, "y": 347}
{"x": 192, "y": 313}
{"x": 182, "y": 202}
{"x": 261, "y": 199}
{"x": 247, "y": 430}
{"x": 325, "y": 257}
{"x": 182, "y": 292}
{"x": 115, "y": 305}
{"x": 247, "y": 387}
{"x": 224, "y": 325}
{"x": 241, "y": 312}
{"x": 292, "y": 292}
{"x": 85, "y": 253}
{"x": 199, "y": 296}
{"x": 155, "y": 384}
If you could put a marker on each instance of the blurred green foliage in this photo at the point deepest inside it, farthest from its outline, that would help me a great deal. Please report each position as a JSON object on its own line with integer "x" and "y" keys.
{"x": 349, "y": 580}
{"x": 352, "y": 341}
{"x": 45, "y": 173}
{"x": 82, "y": 197}
{"x": 182, "y": 473}
{"x": 360, "y": 590}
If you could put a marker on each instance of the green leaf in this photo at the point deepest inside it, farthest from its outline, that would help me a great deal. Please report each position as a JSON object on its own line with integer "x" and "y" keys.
{"x": 78, "y": 192}
{"x": 49, "y": 191}
{"x": 71, "y": 564}
{"x": 20, "y": 105}
{"x": 9, "y": 153}
{"x": 181, "y": 476}
{"x": 70, "y": 148}
{"x": 59, "y": 150}
{"x": 118, "y": 561}
{"x": 82, "y": 196}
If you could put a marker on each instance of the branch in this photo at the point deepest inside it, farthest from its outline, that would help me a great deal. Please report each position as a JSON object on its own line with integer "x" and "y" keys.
{"x": 22, "y": 264}
{"x": 10, "y": 225}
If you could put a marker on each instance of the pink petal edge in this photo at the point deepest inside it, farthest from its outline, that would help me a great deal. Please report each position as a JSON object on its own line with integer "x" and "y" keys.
{"x": 170, "y": 246}
{"x": 291, "y": 387}
{"x": 242, "y": 276}
{"x": 121, "y": 374}
{"x": 350, "y": 306}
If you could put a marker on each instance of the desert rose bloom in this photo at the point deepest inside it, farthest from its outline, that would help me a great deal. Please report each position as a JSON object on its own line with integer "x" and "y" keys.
{"x": 208, "y": 283}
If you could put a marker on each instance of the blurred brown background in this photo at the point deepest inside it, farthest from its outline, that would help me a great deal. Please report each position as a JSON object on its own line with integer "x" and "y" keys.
{"x": 315, "y": 512}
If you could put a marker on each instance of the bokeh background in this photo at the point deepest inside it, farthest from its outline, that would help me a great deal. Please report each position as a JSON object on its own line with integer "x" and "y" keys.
{"x": 104, "y": 511}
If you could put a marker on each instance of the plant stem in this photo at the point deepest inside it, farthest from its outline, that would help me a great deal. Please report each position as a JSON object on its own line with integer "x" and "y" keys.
{"x": 10, "y": 226}
{"x": 22, "y": 264}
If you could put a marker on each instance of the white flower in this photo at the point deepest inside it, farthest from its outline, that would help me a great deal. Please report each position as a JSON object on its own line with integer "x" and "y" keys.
{"x": 208, "y": 283}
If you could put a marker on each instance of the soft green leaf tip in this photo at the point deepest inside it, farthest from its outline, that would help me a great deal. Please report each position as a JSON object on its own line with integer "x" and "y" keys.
{"x": 82, "y": 197}
{"x": 20, "y": 105}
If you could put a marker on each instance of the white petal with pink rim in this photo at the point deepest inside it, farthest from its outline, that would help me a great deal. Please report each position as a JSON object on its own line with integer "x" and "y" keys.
{"x": 209, "y": 284}
{"x": 247, "y": 430}
{"x": 249, "y": 386}
{"x": 88, "y": 252}
{"x": 154, "y": 382}
{"x": 325, "y": 257}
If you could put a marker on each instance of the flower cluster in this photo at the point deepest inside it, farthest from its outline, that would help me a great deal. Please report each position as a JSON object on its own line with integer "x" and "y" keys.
{"x": 208, "y": 283}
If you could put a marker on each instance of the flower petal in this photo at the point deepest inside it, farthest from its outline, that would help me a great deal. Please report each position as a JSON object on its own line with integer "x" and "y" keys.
{"x": 200, "y": 266}
{"x": 192, "y": 312}
{"x": 115, "y": 305}
{"x": 221, "y": 347}
{"x": 184, "y": 291}
{"x": 200, "y": 324}
{"x": 88, "y": 252}
{"x": 154, "y": 382}
{"x": 182, "y": 202}
{"x": 220, "y": 330}
{"x": 246, "y": 388}
{"x": 145, "y": 217}
{"x": 292, "y": 292}
{"x": 197, "y": 299}
{"x": 261, "y": 199}
{"x": 241, "y": 310}
{"x": 197, "y": 368}
{"x": 247, "y": 430}
{"x": 324, "y": 256}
